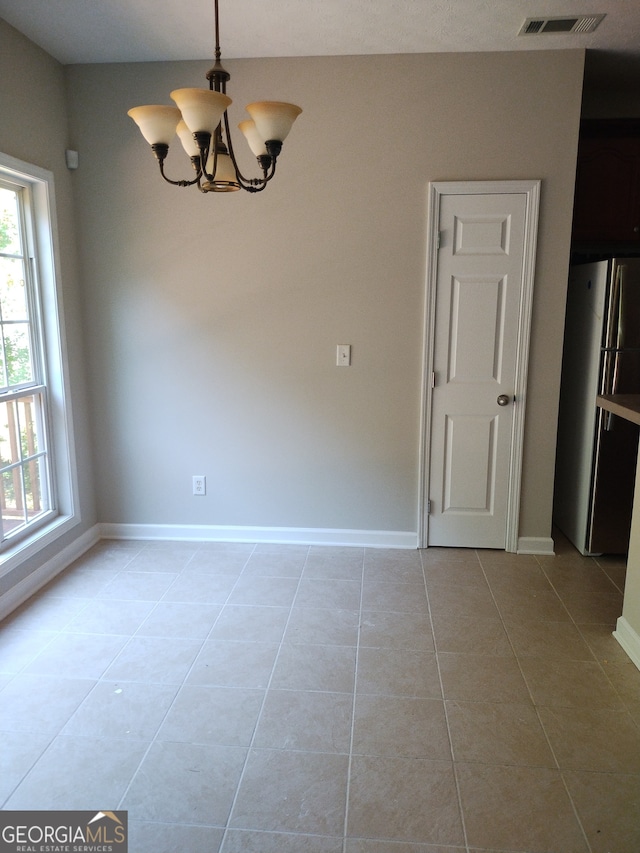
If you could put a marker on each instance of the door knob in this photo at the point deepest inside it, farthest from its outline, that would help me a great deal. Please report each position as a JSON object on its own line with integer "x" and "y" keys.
{"x": 503, "y": 400}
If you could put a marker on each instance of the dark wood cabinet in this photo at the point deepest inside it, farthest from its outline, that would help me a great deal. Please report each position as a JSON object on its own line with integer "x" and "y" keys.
{"x": 607, "y": 197}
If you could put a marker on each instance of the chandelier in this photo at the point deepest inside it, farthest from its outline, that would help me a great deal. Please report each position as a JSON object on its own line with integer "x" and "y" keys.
{"x": 199, "y": 119}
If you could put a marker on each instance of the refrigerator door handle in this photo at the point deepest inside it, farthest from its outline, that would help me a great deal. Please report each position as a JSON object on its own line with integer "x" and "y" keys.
{"x": 620, "y": 341}
{"x": 613, "y": 313}
{"x": 607, "y": 383}
{"x": 610, "y": 417}
{"x": 615, "y": 340}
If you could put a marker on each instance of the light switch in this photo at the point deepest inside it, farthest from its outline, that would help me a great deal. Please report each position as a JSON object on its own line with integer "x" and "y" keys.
{"x": 343, "y": 355}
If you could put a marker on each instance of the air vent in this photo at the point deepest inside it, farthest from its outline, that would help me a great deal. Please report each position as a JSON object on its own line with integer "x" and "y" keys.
{"x": 578, "y": 24}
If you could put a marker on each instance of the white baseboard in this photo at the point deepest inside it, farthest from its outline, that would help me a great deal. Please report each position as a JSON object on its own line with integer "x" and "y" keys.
{"x": 262, "y": 535}
{"x": 542, "y": 545}
{"x": 28, "y": 586}
{"x": 628, "y": 639}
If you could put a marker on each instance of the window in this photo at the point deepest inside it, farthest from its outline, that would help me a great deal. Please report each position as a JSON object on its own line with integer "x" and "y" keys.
{"x": 25, "y": 486}
{"x": 37, "y": 483}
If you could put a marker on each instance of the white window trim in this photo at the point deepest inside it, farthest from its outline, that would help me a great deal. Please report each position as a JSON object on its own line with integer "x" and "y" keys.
{"x": 62, "y": 443}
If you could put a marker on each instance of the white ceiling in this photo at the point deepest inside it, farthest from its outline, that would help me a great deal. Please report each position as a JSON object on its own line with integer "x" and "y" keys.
{"x": 80, "y": 31}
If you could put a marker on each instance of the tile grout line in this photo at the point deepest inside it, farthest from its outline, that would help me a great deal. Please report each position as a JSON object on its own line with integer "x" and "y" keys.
{"x": 544, "y": 728}
{"x": 56, "y": 634}
{"x": 606, "y": 573}
{"x": 30, "y": 768}
{"x": 226, "y": 827}
{"x": 96, "y": 681}
{"x": 353, "y": 709}
{"x": 444, "y": 705}
{"x": 179, "y": 687}
{"x": 146, "y": 549}
{"x": 532, "y": 698}
{"x": 596, "y": 658}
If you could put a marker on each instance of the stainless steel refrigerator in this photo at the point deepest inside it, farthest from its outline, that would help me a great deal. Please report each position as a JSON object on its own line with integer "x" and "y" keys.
{"x": 596, "y": 455}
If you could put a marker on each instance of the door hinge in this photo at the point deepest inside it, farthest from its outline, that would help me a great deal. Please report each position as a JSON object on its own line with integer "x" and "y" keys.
{"x": 433, "y": 379}
{"x": 438, "y": 239}
{"x": 428, "y": 507}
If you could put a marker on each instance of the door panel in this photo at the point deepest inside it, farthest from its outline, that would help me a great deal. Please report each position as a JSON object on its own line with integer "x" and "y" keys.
{"x": 477, "y": 304}
{"x": 469, "y": 464}
{"x": 479, "y": 283}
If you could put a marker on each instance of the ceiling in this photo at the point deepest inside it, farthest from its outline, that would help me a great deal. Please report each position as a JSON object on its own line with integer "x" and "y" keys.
{"x": 85, "y": 31}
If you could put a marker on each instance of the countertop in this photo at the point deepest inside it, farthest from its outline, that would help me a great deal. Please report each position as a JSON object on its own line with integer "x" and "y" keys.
{"x": 624, "y": 405}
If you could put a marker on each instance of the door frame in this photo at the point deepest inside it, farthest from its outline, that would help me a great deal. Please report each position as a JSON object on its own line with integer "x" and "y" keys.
{"x": 438, "y": 189}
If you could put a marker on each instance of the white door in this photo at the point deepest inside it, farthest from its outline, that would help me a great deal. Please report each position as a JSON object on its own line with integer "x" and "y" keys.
{"x": 481, "y": 308}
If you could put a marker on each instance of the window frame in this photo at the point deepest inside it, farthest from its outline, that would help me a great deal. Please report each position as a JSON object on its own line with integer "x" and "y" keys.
{"x": 41, "y": 236}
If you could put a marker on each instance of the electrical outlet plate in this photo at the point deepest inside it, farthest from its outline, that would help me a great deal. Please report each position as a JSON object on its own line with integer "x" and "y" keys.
{"x": 199, "y": 484}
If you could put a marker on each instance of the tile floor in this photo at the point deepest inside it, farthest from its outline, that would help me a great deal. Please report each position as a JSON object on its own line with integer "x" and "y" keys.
{"x": 254, "y": 699}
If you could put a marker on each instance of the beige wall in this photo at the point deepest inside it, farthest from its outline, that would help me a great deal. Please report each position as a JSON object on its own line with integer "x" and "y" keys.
{"x": 33, "y": 128}
{"x": 212, "y": 320}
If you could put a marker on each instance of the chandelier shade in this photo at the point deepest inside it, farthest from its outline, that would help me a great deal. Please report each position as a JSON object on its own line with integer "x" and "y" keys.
{"x": 273, "y": 119}
{"x": 186, "y": 137}
{"x": 201, "y": 109}
{"x": 224, "y": 176}
{"x": 156, "y": 123}
{"x": 256, "y": 142}
{"x": 201, "y": 122}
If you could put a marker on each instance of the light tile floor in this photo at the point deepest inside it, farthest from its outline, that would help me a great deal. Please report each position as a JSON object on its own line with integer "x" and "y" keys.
{"x": 254, "y": 699}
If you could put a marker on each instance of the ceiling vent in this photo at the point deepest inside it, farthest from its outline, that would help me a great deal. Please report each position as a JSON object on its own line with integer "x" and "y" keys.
{"x": 577, "y": 24}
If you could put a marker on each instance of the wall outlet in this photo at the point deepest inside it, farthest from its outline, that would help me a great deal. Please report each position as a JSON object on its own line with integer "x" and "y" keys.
{"x": 199, "y": 484}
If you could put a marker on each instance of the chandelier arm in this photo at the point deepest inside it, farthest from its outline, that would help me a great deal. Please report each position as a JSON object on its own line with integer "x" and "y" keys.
{"x": 252, "y": 185}
{"x": 272, "y": 170}
{"x": 244, "y": 183}
{"x": 256, "y": 187}
{"x": 160, "y": 151}
{"x": 178, "y": 183}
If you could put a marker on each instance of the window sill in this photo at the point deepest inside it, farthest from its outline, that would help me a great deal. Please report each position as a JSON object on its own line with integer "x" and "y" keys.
{"x": 33, "y": 544}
